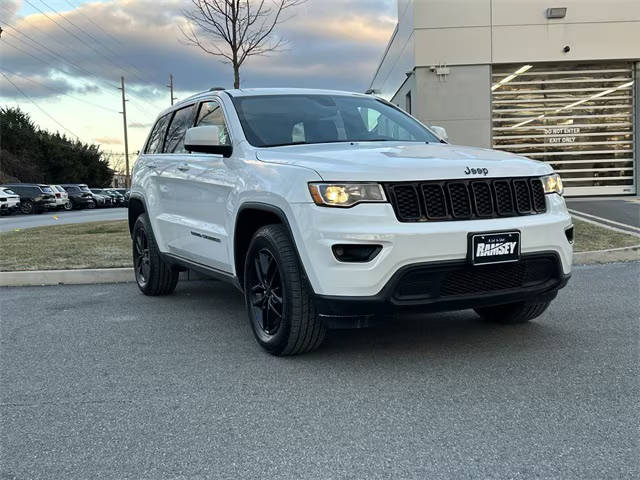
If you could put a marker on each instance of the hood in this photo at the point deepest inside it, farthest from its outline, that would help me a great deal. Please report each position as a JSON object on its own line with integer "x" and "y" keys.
{"x": 401, "y": 161}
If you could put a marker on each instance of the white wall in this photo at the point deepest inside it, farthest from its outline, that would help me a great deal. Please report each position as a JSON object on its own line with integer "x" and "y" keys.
{"x": 471, "y": 35}
{"x": 472, "y": 32}
{"x": 399, "y": 57}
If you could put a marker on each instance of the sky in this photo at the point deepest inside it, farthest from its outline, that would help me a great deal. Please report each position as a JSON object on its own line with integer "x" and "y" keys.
{"x": 67, "y": 56}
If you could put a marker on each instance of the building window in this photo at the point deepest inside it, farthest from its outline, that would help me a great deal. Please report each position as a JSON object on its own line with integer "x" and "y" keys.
{"x": 407, "y": 107}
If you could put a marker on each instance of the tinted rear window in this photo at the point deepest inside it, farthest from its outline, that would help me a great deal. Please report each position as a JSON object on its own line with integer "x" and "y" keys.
{"x": 46, "y": 189}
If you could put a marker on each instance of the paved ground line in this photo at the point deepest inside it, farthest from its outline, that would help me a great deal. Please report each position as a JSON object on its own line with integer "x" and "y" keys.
{"x": 579, "y": 216}
{"x": 606, "y": 220}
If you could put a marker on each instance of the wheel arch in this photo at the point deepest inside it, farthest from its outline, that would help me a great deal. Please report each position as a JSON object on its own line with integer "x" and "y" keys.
{"x": 250, "y": 217}
{"x": 137, "y": 206}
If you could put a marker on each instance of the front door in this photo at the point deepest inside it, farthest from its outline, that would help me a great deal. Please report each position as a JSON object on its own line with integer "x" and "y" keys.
{"x": 200, "y": 186}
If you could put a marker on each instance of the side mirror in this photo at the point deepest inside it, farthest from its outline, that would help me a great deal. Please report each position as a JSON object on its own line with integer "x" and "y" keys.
{"x": 441, "y": 132}
{"x": 206, "y": 139}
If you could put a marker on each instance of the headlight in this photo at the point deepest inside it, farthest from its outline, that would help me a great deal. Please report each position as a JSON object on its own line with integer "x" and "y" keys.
{"x": 552, "y": 184}
{"x": 345, "y": 194}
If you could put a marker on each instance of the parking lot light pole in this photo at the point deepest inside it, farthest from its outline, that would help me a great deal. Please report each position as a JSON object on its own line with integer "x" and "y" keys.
{"x": 127, "y": 179}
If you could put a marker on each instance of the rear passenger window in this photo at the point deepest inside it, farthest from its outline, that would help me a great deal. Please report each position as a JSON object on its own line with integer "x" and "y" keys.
{"x": 156, "y": 139}
{"x": 182, "y": 119}
{"x": 211, "y": 114}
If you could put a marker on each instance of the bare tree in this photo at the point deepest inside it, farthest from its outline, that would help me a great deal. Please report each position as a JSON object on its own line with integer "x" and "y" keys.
{"x": 235, "y": 29}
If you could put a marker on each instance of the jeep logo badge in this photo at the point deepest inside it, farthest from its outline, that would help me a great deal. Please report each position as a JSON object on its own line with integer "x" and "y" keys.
{"x": 477, "y": 171}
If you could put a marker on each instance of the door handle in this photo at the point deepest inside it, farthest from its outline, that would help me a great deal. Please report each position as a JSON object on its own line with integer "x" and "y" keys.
{"x": 183, "y": 167}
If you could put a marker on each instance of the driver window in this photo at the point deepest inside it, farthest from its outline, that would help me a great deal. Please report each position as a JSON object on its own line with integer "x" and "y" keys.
{"x": 211, "y": 114}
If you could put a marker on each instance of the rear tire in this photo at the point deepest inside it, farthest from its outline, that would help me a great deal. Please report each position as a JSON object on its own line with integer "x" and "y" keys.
{"x": 154, "y": 276}
{"x": 512, "y": 313}
{"x": 278, "y": 298}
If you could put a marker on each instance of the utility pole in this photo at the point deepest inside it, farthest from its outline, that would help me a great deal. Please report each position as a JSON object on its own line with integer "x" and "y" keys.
{"x": 126, "y": 141}
{"x": 171, "y": 88}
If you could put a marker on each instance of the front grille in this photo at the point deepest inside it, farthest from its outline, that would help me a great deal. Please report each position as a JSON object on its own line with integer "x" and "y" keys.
{"x": 459, "y": 279}
{"x": 466, "y": 199}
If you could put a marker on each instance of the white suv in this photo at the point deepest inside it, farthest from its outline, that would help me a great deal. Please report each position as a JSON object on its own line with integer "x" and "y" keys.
{"x": 328, "y": 209}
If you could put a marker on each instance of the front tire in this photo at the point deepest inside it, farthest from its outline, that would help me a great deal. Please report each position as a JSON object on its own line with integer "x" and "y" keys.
{"x": 513, "y": 313}
{"x": 27, "y": 207}
{"x": 278, "y": 299}
{"x": 154, "y": 276}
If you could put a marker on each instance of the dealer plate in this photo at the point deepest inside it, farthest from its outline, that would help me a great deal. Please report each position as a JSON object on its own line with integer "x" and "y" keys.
{"x": 495, "y": 247}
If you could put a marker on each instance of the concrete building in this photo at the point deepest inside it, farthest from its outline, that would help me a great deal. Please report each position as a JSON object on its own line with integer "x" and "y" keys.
{"x": 552, "y": 80}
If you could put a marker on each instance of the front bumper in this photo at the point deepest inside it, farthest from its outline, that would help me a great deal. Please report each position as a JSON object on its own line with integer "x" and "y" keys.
{"x": 316, "y": 229}
{"x": 455, "y": 285}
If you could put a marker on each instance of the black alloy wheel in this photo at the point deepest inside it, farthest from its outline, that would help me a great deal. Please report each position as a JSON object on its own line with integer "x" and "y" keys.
{"x": 266, "y": 293}
{"x": 154, "y": 275}
{"x": 278, "y": 296}
{"x": 141, "y": 257}
{"x": 67, "y": 205}
{"x": 26, "y": 207}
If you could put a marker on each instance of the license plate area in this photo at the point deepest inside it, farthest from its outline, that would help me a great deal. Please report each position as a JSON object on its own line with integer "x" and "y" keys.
{"x": 496, "y": 247}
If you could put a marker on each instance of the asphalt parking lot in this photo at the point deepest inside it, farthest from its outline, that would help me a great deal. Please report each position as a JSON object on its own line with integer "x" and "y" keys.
{"x": 102, "y": 382}
{"x": 11, "y": 222}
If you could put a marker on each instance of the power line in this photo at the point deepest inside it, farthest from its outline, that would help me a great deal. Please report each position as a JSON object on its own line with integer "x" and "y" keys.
{"x": 76, "y": 7}
{"x": 62, "y": 93}
{"x": 40, "y": 45}
{"x": 106, "y": 33}
{"x": 38, "y": 106}
{"x": 74, "y": 35}
{"x": 103, "y": 45}
{"x": 137, "y": 106}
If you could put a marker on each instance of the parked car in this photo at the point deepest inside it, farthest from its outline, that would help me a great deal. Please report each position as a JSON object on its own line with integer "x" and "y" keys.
{"x": 118, "y": 198}
{"x": 80, "y": 195}
{"x": 34, "y": 198}
{"x": 62, "y": 197}
{"x": 9, "y": 201}
{"x": 329, "y": 208}
{"x": 102, "y": 198}
{"x": 125, "y": 193}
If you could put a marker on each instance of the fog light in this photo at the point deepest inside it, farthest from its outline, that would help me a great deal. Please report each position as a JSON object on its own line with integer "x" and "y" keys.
{"x": 356, "y": 253}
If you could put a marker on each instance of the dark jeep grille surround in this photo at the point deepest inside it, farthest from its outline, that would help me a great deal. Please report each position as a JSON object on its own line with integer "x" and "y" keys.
{"x": 466, "y": 199}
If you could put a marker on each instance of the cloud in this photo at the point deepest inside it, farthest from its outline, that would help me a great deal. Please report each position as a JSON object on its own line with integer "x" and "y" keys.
{"x": 331, "y": 44}
{"x": 108, "y": 140}
{"x": 140, "y": 125}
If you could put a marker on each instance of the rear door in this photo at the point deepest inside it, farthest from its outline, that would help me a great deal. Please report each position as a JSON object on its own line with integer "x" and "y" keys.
{"x": 149, "y": 170}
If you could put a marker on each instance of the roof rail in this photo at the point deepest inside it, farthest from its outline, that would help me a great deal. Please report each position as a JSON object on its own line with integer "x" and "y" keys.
{"x": 216, "y": 89}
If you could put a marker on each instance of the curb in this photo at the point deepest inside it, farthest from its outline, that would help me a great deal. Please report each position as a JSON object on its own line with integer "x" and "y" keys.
{"x": 624, "y": 254}
{"x": 123, "y": 275}
{"x": 78, "y": 277}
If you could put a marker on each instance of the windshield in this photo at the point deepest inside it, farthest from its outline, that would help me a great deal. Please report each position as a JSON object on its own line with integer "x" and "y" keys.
{"x": 276, "y": 120}
{"x": 9, "y": 192}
